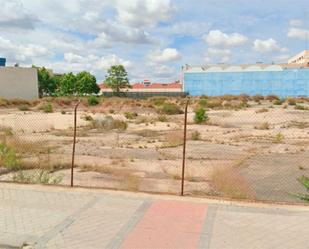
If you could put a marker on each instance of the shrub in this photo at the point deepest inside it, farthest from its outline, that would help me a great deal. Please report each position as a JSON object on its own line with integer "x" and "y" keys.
{"x": 131, "y": 115}
{"x": 162, "y": 118}
{"x": 200, "y": 116}
{"x": 278, "y": 102}
{"x": 93, "y": 100}
{"x": 43, "y": 177}
{"x": 272, "y": 98}
{"x": 257, "y": 98}
{"x": 263, "y": 126}
{"x": 8, "y": 157}
{"x": 23, "y": 108}
{"x": 63, "y": 112}
{"x": 158, "y": 101}
{"x": 203, "y": 102}
{"x": 278, "y": 138}
{"x": 171, "y": 109}
{"x": 195, "y": 135}
{"x": 291, "y": 101}
{"x": 300, "y": 107}
{"x": 262, "y": 110}
{"x": 111, "y": 111}
{"x": 47, "y": 108}
{"x": 305, "y": 182}
{"x": 109, "y": 123}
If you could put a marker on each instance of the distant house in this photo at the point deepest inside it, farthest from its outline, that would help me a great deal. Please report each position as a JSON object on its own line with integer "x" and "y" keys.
{"x": 18, "y": 82}
{"x": 148, "y": 87}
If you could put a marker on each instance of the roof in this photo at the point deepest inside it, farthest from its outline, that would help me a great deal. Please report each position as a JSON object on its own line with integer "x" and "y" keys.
{"x": 174, "y": 85}
{"x": 243, "y": 68}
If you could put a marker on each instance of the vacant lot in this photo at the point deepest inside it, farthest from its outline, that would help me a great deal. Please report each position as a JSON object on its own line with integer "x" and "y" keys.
{"x": 254, "y": 148}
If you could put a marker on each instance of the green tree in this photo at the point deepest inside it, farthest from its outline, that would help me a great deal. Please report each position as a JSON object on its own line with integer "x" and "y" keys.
{"x": 86, "y": 83}
{"x": 117, "y": 78}
{"x": 47, "y": 84}
{"x": 67, "y": 85}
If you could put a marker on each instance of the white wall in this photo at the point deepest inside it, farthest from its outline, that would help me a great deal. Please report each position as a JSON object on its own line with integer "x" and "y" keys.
{"x": 18, "y": 82}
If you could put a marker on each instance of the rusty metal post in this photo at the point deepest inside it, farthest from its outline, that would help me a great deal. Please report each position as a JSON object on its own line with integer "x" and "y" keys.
{"x": 184, "y": 149}
{"x": 74, "y": 142}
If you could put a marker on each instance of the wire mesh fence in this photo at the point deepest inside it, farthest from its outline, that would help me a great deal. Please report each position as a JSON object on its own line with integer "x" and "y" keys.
{"x": 239, "y": 147}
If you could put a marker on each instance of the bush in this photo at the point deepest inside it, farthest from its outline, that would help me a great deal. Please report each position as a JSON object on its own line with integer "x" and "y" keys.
{"x": 131, "y": 115}
{"x": 195, "y": 135}
{"x": 305, "y": 182}
{"x": 47, "y": 108}
{"x": 8, "y": 157}
{"x": 292, "y": 102}
{"x": 93, "y": 100}
{"x": 278, "y": 102}
{"x": 263, "y": 126}
{"x": 109, "y": 123}
{"x": 162, "y": 118}
{"x": 300, "y": 107}
{"x": 171, "y": 109}
{"x": 23, "y": 108}
{"x": 278, "y": 138}
{"x": 200, "y": 116}
{"x": 203, "y": 102}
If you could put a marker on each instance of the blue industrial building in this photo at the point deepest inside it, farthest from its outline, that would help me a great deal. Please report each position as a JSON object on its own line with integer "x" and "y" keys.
{"x": 282, "y": 80}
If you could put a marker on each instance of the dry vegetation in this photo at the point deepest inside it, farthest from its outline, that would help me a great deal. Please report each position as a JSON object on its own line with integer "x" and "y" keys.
{"x": 136, "y": 144}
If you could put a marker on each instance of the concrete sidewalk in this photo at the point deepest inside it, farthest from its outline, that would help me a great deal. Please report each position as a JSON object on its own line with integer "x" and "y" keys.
{"x": 48, "y": 217}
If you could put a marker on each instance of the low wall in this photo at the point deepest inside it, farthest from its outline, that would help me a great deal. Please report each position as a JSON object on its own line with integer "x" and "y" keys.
{"x": 141, "y": 95}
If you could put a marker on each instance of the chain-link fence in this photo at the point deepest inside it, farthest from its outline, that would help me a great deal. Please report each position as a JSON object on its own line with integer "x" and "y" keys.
{"x": 239, "y": 147}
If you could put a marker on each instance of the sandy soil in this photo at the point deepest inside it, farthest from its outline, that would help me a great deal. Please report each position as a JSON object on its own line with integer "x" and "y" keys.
{"x": 236, "y": 155}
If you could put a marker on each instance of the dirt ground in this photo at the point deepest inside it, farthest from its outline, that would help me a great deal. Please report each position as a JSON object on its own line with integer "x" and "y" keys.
{"x": 256, "y": 152}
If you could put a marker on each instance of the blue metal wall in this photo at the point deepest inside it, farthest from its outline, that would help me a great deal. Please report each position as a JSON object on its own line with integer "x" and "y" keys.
{"x": 289, "y": 82}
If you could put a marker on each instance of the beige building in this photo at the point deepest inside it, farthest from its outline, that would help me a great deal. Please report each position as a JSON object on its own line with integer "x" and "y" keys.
{"x": 18, "y": 82}
{"x": 301, "y": 58}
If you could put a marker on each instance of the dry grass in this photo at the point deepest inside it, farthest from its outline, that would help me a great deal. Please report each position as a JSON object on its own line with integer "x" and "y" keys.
{"x": 228, "y": 182}
{"x": 103, "y": 169}
{"x": 263, "y": 126}
{"x": 173, "y": 139}
{"x": 131, "y": 183}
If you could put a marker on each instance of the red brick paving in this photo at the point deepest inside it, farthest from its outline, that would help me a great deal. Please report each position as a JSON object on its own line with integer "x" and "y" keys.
{"x": 168, "y": 224}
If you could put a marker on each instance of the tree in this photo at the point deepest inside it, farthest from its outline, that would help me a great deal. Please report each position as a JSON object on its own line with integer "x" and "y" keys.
{"x": 67, "y": 85}
{"x": 117, "y": 78}
{"x": 86, "y": 83}
{"x": 47, "y": 83}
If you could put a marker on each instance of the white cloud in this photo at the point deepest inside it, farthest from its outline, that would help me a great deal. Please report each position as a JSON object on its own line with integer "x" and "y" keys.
{"x": 167, "y": 55}
{"x": 14, "y": 16}
{"x": 217, "y": 38}
{"x": 298, "y": 33}
{"x": 186, "y": 28}
{"x": 22, "y": 52}
{"x": 164, "y": 71}
{"x": 139, "y": 13}
{"x": 268, "y": 46}
{"x": 296, "y": 22}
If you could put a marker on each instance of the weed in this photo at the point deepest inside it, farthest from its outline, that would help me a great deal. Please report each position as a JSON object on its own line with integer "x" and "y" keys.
{"x": 196, "y": 135}
{"x": 278, "y": 138}
{"x": 23, "y": 108}
{"x": 93, "y": 100}
{"x": 170, "y": 109}
{"x": 47, "y": 108}
{"x": 263, "y": 126}
{"x": 200, "y": 116}
{"x": 131, "y": 115}
{"x": 162, "y": 118}
{"x": 262, "y": 110}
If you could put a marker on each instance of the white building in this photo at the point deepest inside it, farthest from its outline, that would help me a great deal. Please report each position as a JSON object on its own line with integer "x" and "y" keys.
{"x": 301, "y": 58}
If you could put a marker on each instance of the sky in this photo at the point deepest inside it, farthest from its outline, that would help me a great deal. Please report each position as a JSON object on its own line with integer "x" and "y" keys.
{"x": 153, "y": 39}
